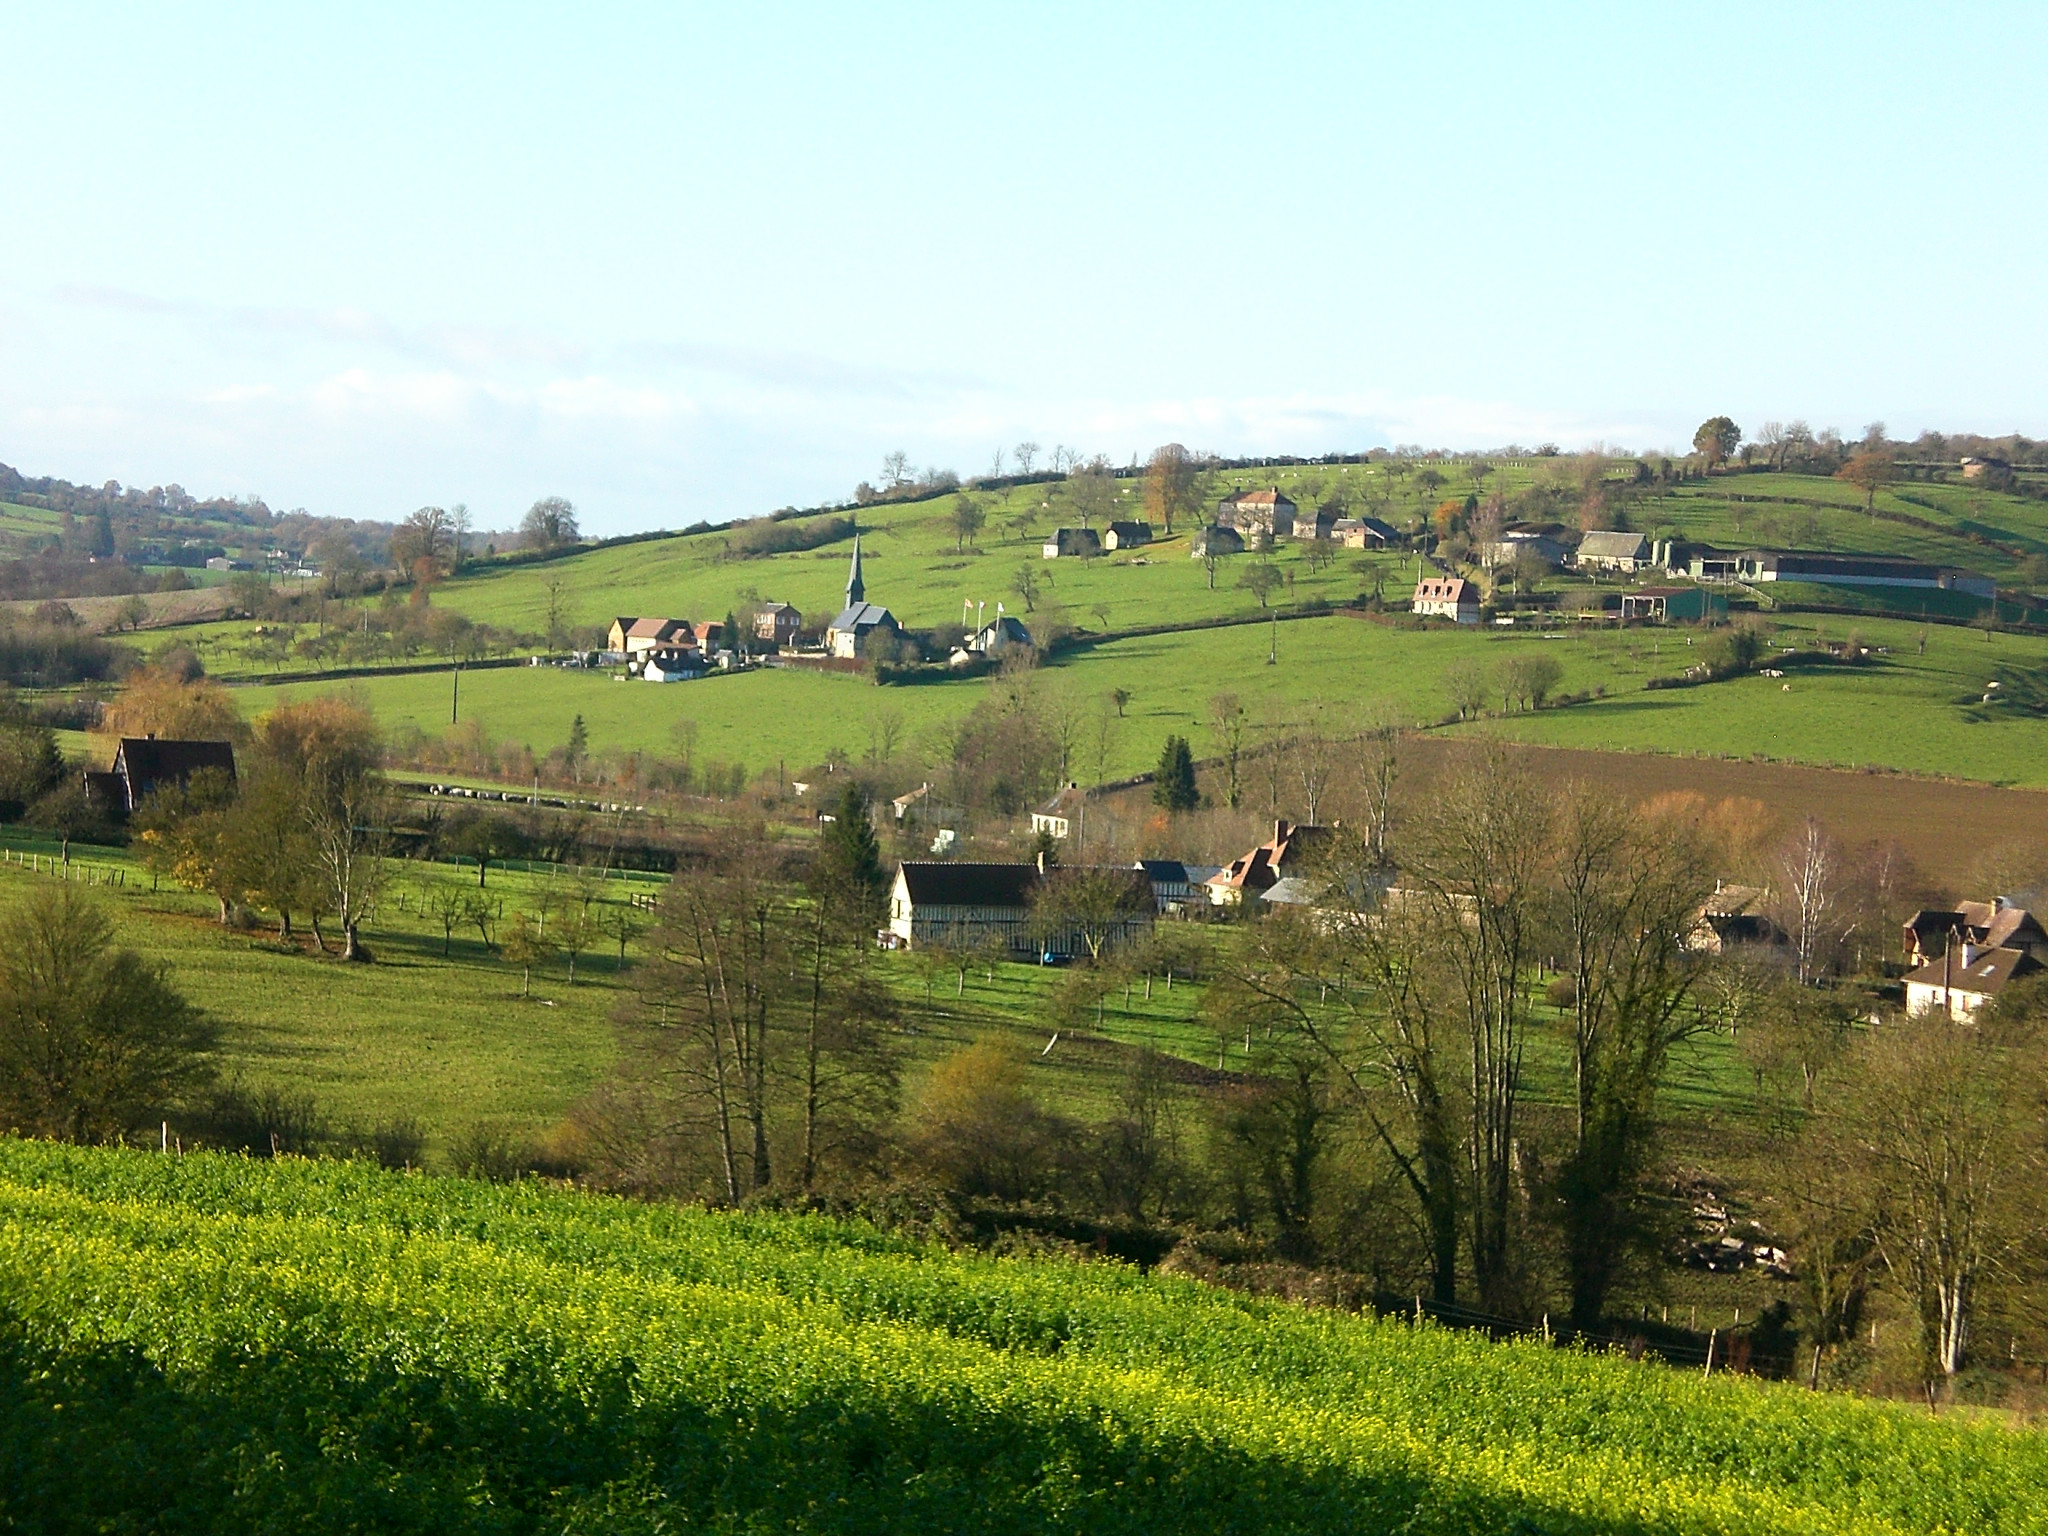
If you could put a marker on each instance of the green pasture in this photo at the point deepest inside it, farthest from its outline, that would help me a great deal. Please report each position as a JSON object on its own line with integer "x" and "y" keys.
{"x": 1903, "y": 710}
{"x": 446, "y": 1041}
{"x": 914, "y": 568}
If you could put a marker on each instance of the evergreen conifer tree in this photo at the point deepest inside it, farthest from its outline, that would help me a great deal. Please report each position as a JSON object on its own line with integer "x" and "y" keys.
{"x": 850, "y": 855}
{"x": 1173, "y": 782}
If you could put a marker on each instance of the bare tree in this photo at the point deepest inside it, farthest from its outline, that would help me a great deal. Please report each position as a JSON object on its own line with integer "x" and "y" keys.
{"x": 555, "y": 587}
{"x": 1026, "y": 454}
{"x": 1626, "y": 894}
{"x": 1375, "y": 764}
{"x": 1228, "y": 726}
{"x": 1933, "y": 1113}
{"x": 896, "y": 468}
{"x": 550, "y": 523}
{"x": 1171, "y": 488}
{"x": 1808, "y": 874}
{"x": 1314, "y": 755}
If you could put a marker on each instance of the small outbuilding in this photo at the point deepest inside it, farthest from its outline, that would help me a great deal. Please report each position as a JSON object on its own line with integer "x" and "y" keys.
{"x": 1083, "y": 542}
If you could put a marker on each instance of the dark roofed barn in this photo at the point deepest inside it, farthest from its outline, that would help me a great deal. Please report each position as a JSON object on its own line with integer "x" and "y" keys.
{"x": 144, "y": 764}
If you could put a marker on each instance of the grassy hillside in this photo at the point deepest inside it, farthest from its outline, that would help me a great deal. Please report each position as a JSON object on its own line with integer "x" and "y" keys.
{"x": 1906, "y": 710}
{"x": 446, "y": 1041}
{"x": 205, "y": 1343}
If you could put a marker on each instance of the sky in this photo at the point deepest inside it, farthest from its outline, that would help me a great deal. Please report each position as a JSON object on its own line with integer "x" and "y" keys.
{"x": 701, "y": 261}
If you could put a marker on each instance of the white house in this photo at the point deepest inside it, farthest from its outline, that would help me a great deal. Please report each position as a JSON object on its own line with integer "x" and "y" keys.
{"x": 1964, "y": 978}
{"x": 1447, "y": 597}
{"x": 1058, "y": 815}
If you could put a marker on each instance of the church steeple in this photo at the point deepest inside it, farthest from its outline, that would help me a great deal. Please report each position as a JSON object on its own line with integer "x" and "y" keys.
{"x": 856, "y": 589}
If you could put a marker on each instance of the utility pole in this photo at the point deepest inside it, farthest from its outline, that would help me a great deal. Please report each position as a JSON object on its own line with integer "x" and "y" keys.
{"x": 455, "y": 693}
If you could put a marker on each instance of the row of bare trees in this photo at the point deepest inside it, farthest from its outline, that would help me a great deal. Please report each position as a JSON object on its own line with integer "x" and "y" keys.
{"x": 1908, "y": 1152}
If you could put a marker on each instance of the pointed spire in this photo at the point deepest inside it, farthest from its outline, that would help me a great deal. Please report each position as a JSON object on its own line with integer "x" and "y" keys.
{"x": 856, "y": 589}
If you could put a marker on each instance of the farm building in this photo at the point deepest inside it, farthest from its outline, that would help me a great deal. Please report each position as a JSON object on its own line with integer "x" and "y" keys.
{"x": 144, "y": 764}
{"x": 634, "y": 638}
{"x": 860, "y": 620}
{"x": 1268, "y": 512}
{"x": 1127, "y": 536}
{"x": 1083, "y": 542}
{"x": 922, "y": 805}
{"x": 1760, "y": 565}
{"x": 1512, "y": 545}
{"x": 965, "y": 906}
{"x": 1363, "y": 533}
{"x": 1734, "y": 914}
{"x": 1673, "y": 605}
{"x": 1176, "y": 887}
{"x": 1279, "y": 856}
{"x": 1447, "y": 597}
{"x": 669, "y": 663}
{"x": 1216, "y": 540}
{"x": 1605, "y": 551}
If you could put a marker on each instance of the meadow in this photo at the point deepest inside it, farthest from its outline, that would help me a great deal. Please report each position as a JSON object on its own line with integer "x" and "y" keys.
{"x": 1904, "y": 710}
{"x": 213, "y": 1343}
{"x": 443, "y": 1040}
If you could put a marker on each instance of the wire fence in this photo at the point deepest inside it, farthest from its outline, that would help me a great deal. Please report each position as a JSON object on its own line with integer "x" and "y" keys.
{"x": 59, "y": 867}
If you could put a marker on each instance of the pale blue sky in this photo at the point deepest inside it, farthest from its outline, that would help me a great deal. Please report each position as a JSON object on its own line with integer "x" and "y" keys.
{"x": 694, "y": 261}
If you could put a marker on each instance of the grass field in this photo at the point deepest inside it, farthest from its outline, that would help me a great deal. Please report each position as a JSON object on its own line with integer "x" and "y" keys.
{"x": 448, "y": 1042}
{"x": 916, "y": 571}
{"x": 1907, "y": 711}
{"x": 218, "y": 1344}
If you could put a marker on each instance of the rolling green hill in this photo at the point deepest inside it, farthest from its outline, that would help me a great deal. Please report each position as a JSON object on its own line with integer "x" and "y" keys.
{"x": 1905, "y": 711}
{"x": 209, "y": 1343}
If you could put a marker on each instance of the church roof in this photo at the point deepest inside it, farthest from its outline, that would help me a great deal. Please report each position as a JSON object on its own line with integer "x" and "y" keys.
{"x": 858, "y": 616}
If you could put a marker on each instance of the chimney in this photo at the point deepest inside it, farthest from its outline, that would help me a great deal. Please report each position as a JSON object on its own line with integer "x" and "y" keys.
{"x": 1279, "y": 832}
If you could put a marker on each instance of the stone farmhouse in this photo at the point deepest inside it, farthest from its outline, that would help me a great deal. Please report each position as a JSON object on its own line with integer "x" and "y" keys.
{"x": 1216, "y": 540}
{"x": 1123, "y": 535}
{"x": 1605, "y": 551}
{"x": 1266, "y": 513}
{"x": 1363, "y": 533}
{"x": 778, "y": 623}
{"x": 632, "y": 639}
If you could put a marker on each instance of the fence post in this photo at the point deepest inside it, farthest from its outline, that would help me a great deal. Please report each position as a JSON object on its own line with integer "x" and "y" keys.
{"x": 1712, "y": 1335}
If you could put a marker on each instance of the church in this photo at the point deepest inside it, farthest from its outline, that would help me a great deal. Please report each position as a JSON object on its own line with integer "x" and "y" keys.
{"x": 847, "y": 636}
